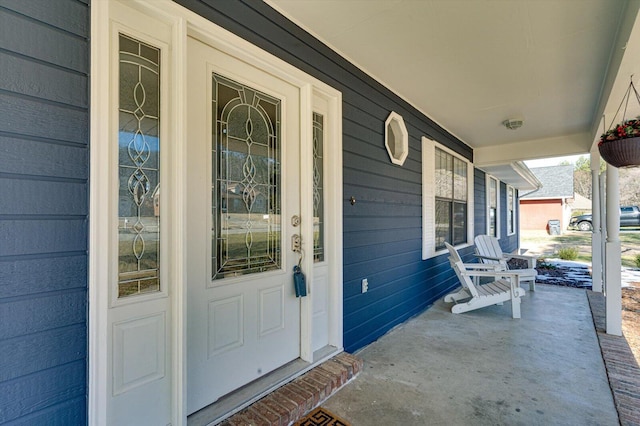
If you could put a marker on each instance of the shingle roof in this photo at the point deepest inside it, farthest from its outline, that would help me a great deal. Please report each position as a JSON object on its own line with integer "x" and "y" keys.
{"x": 557, "y": 182}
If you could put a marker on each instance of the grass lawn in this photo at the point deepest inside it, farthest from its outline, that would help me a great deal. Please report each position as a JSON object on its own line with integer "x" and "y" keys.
{"x": 539, "y": 243}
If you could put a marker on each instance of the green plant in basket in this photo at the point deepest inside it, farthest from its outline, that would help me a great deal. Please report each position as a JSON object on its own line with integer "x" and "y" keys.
{"x": 620, "y": 144}
{"x": 626, "y": 129}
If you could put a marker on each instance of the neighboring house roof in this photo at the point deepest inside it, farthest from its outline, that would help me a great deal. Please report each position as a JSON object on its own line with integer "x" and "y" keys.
{"x": 557, "y": 182}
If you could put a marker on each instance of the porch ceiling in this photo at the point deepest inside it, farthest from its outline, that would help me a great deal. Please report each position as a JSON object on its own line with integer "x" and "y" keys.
{"x": 470, "y": 65}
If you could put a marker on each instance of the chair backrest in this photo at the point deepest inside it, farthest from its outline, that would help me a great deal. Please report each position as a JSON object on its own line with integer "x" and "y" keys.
{"x": 453, "y": 253}
{"x": 458, "y": 266}
{"x": 489, "y": 246}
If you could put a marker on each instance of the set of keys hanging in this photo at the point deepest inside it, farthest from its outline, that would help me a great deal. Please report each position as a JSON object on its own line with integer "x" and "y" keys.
{"x": 299, "y": 280}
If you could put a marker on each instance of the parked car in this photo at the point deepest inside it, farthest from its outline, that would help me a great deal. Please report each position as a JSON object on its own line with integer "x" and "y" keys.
{"x": 629, "y": 216}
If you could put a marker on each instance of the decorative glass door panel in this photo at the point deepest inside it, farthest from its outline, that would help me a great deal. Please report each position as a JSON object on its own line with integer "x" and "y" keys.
{"x": 139, "y": 168}
{"x": 243, "y": 319}
{"x": 246, "y": 234}
{"x": 318, "y": 187}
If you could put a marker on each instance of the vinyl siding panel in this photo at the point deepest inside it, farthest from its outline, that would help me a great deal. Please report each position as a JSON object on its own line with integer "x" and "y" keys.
{"x": 42, "y": 349}
{"x": 40, "y": 236}
{"x": 41, "y": 42}
{"x": 41, "y": 390}
{"x": 70, "y": 16}
{"x": 24, "y": 275}
{"x": 41, "y": 197}
{"x": 70, "y": 89}
{"x": 382, "y": 231}
{"x": 35, "y": 118}
{"x": 71, "y": 412}
{"x": 44, "y": 62}
{"x": 480, "y": 202}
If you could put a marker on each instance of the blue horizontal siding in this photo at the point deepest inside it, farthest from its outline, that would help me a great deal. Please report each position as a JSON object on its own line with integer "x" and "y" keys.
{"x": 29, "y": 394}
{"x": 46, "y": 311}
{"x": 35, "y": 39}
{"x": 70, "y": 87}
{"x": 33, "y": 117}
{"x": 70, "y": 16}
{"x": 42, "y": 197}
{"x": 37, "y": 236}
{"x": 44, "y": 157}
{"x": 71, "y": 412}
{"x": 43, "y": 350}
{"x": 365, "y": 240}
{"x": 44, "y": 168}
{"x": 42, "y": 273}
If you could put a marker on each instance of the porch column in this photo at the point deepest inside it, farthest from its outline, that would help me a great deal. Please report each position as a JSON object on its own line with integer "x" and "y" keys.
{"x": 603, "y": 227}
{"x": 596, "y": 237}
{"x": 613, "y": 279}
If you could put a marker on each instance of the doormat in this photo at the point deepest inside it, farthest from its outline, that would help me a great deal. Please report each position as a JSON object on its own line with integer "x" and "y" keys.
{"x": 322, "y": 417}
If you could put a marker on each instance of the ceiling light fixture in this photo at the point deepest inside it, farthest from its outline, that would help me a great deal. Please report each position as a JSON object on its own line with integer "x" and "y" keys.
{"x": 513, "y": 123}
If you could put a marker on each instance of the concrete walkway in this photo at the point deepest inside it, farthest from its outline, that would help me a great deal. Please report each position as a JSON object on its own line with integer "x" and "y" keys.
{"x": 485, "y": 368}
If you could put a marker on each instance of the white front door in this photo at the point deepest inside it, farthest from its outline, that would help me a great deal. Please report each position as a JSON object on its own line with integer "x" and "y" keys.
{"x": 243, "y": 188}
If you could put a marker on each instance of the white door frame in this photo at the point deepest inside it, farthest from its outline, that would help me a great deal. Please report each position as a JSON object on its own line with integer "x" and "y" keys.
{"x": 182, "y": 23}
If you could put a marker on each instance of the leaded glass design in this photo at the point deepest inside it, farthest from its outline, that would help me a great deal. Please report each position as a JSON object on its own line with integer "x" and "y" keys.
{"x": 318, "y": 194}
{"x": 246, "y": 180}
{"x": 138, "y": 168}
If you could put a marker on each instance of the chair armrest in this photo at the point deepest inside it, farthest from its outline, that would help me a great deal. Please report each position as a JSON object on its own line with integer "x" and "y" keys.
{"x": 494, "y": 274}
{"x": 482, "y": 266}
{"x": 488, "y": 257}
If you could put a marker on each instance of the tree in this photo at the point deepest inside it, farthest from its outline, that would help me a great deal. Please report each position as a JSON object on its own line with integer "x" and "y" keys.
{"x": 582, "y": 182}
{"x": 582, "y": 176}
{"x": 584, "y": 163}
{"x": 628, "y": 181}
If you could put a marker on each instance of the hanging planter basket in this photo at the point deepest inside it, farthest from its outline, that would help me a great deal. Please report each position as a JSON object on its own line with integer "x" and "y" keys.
{"x": 621, "y": 152}
{"x": 620, "y": 144}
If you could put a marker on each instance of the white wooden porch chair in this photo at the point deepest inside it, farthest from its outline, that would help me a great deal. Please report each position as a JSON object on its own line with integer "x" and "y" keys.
{"x": 505, "y": 286}
{"x": 488, "y": 250}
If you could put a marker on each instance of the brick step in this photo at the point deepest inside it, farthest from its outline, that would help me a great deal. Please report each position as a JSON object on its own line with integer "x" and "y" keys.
{"x": 293, "y": 401}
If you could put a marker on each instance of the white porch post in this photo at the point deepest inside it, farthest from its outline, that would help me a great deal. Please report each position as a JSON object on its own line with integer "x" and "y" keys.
{"x": 596, "y": 237}
{"x": 603, "y": 227}
{"x": 612, "y": 256}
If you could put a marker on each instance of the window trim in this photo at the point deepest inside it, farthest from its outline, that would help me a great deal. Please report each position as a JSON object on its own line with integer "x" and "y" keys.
{"x": 428, "y": 198}
{"x": 489, "y": 178}
{"x": 513, "y": 208}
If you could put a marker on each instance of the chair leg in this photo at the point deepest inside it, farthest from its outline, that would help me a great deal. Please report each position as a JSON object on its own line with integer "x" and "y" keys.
{"x": 515, "y": 307}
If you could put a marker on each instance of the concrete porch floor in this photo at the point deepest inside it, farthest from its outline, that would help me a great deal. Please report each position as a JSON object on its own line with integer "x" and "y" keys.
{"x": 485, "y": 368}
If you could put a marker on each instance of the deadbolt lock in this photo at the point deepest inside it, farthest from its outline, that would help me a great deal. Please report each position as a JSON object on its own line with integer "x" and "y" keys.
{"x": 296, "y": 243}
